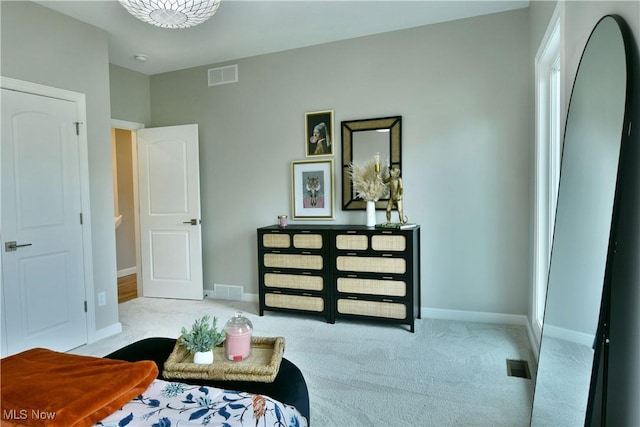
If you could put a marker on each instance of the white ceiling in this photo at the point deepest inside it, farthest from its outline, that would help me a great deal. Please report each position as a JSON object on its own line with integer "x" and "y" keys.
{"x": 244, "y": 28}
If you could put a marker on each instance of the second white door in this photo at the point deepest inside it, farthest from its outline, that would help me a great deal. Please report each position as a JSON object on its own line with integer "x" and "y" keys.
{"x": 43, "y": 287}
{"x": 170, "y": 229}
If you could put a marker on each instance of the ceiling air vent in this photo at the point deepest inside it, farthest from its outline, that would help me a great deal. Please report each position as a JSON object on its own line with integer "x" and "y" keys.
{"x": 222, "y": 75}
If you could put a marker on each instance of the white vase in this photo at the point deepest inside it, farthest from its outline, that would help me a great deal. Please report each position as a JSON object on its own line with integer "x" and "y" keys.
{"x": 371, "y": 214}
{"x": 203, "y": 357}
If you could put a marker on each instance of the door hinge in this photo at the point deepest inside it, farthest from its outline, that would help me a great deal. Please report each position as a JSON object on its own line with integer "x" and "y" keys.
{"x": 80, "y": 218}
{"x": 85, "y": 307}
{"x": 77, "y": 127}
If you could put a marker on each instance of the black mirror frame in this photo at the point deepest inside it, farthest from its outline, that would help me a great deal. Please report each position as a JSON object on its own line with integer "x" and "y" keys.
{"x": 394, "y": 124}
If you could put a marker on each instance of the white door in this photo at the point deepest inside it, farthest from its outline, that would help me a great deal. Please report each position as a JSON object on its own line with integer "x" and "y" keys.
{"x": 169, "y": 193}
{"x": 43, "y": 289}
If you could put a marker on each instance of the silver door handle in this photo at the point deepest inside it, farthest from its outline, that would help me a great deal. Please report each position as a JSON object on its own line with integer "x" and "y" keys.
{"x": 13, "y": 246}
{"x": 192, "y": 222}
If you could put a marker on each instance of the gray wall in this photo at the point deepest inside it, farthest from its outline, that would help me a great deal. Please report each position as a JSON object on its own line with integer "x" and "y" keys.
{"x": 44, "y": 47}
{"x": 462, "y": 89}
{"x": 130, "y": 95}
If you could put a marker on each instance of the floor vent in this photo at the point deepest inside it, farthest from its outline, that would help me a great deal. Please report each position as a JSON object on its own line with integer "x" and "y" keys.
{"x": 518, "y": 368}
{"x": 230, "y": 292}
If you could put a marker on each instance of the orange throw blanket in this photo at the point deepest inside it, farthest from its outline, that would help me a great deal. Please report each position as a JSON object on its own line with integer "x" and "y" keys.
{"x": 46, "y": 388}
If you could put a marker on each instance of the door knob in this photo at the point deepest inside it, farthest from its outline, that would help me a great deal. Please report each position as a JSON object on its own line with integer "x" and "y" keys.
{"x": 192, "y": 222}
{"x": 13, "y": 246}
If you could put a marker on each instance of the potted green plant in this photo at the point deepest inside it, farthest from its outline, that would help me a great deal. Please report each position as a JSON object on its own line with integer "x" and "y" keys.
{"x": 202, "y": 339}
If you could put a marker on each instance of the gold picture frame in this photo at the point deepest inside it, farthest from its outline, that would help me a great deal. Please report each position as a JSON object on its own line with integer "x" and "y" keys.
{"x": 312, "y": 194}
{"x": 318, "y": 127}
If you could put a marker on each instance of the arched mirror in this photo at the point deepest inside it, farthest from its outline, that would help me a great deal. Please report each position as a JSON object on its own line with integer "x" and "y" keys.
{"x": 361, "y": 140}
{"x": 596, "y": 121}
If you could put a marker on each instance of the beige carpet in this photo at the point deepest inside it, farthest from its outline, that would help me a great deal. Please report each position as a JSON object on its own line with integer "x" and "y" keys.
{"x": 371, "y": 374}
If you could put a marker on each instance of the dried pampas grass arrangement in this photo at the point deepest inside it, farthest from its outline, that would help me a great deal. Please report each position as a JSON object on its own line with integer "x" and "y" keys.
{"x": 367, "y": 182}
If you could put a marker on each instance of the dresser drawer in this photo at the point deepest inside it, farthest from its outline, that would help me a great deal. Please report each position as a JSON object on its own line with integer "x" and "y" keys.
{"x": 389, "y": 242}
{"x": 294, "y": 281}
{"x": 276, "y": 241}
{"x": 371, "y": 264}
{"x": 352, "y": 242}
{"x": 295, "y": 302}
{"x": 308, "y": 241}
{"x": 301, "y": 262}
{"x": 356, "y": 285}
{"x": 388, "y": 310}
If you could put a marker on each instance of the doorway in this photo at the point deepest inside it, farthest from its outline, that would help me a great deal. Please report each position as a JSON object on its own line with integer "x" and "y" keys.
{"x": 125, "y": 185}
{"x": 167, "y": 234}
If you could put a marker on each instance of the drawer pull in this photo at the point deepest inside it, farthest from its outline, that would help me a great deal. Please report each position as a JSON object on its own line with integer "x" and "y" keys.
{"x": 352, "y": 275}
{"x": 387, "y": 300}
{"x": 306, "y": 273}
{"x": 306, "y": 294}
{"x": 305, "y": 231}
{"x": 351, "y": 232}
{"x": 387, "y": 232}
{"x": 351, "y": 297}
{"x": 352, "y": 254}
{"x": 306, "y": 253}
{"x": 277, "y": 271}
{"x": 387, "y": 255}
{"x": 387, "y": 277}
{"x": 276, "y": 292}
{"x": 275, "y": 252}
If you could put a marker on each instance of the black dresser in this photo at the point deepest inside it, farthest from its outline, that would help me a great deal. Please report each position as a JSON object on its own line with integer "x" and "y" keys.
{"x": 341, "y": 271}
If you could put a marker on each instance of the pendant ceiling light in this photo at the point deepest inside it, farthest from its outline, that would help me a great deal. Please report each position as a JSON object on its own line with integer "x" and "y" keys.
{"x": 172, "y": 13}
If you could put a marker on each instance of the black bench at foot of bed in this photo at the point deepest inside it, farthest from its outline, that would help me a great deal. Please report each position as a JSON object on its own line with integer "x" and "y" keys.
{"x": 289, "y": 386}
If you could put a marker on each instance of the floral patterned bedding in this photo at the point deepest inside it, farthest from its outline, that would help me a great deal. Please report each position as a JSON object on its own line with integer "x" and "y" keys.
{"x": 166, "y": 404}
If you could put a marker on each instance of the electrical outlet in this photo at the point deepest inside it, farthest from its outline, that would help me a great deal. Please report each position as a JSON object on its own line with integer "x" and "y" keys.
{"x": 102, "y": 299}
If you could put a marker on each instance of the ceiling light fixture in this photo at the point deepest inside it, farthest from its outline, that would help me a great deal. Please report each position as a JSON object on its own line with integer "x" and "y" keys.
{"x": 172, "y": 13}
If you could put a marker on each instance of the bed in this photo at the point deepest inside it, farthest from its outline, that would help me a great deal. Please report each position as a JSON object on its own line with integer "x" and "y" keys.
{"x": 126, "y": 388}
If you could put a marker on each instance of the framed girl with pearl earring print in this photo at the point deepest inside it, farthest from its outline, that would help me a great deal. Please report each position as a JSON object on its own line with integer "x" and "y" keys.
{"x": 319, "y": 133}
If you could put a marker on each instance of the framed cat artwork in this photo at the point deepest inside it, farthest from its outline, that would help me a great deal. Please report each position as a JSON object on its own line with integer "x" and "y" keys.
{"x": 312, "y": 194}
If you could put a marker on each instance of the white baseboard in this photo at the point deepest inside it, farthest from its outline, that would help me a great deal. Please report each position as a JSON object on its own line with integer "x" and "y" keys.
{"x": 127, "y": 271}
{"x": 533, "y": 341}
{"x": 474, "y": 316}
{"x": 251, "y": 298}
{"x": 114, "y": 329}
{"x": 210, "y": 293}
{"x": 569, "y": 335}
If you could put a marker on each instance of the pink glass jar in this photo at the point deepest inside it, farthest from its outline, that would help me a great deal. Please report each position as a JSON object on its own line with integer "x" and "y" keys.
{"x": 237, "y": 345}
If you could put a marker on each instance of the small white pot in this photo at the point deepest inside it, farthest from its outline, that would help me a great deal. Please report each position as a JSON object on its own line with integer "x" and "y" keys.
{"x": 203, "y": 357}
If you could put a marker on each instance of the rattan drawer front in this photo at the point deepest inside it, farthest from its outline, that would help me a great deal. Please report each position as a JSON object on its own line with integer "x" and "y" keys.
{"x": 307, "y": 241}
{"x": 293, "y": 281}
{"x": 276, "y": 240}
{"x": 389, "y": 243}
{"x": 305, "y": 262}
{"x": 351, "y": 285}
{"x": 372, "y": 264}
{"x": 347, "y": 242}
{"x": 294, "y": 301}
{"x": 387, "y": 310}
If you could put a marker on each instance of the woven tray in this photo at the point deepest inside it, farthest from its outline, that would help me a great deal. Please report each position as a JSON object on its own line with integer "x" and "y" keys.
{"x": 262, "y": 365}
